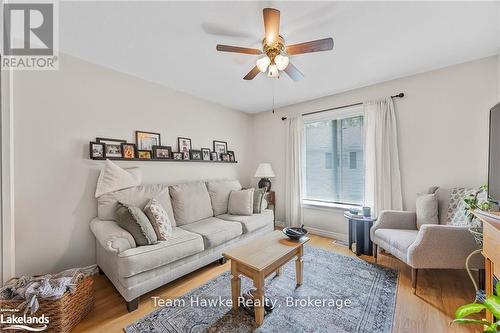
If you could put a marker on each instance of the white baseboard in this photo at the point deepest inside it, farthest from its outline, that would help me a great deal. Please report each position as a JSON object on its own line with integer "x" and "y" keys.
{"x": 329, "y": 234}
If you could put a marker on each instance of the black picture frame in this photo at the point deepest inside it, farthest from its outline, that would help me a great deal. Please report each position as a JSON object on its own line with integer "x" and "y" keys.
{"x": 177, "y": 155}
{"x": 144, "y": 154}
{"x": 126, "y": 149}
{"x": 113, "y": 146}
{"x": 205, "y": 154}
{"x": 195, "y": 155}
{"x": 149, "y": 146}
{"x": 225, "y": 157}
{"x": 217, "y": 144}
{"x": 232, "y": 158}
{"x": 101, "y": 153}
{"x": 214, "y": 156}
{"x": 159, "y": 152}
{"x": 181, "y": 148}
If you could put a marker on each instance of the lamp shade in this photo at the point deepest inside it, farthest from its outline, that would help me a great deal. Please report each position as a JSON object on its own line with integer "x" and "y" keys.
{"x": 264, "y": 171}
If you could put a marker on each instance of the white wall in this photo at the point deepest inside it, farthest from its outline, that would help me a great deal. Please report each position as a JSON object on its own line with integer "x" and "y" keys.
{"x": 56, "y": 114}
{"x": 443, "y": 132}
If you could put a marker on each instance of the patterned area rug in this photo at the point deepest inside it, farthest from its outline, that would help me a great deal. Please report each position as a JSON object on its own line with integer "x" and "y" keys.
{"x": 339, "y": 294}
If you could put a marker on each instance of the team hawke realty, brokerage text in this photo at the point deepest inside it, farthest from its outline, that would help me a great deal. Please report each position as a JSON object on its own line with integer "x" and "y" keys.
{"x": 228, "y": 302}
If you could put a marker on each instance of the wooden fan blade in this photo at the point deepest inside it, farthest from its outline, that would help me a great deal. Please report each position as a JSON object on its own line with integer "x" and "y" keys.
{"x": 271, "y": 24}
{"x": 253, "y": 73}
{"x": 237, "y": 49}
{"x": 293, "y": 72}
{"x": 325, "y": 44}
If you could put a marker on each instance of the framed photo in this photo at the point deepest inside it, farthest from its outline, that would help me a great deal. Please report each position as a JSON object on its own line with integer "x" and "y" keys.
{"x": 220, "y": 147}
{"x": 225, "y": 157}
{"x": 231, "y": 155}
{"x": 112, "y": 147}
{"x": 162, "y": 152}
{"x": 144, "y": 154}
{"x": 128, "y": 150}
{"x": 184, "y": 146}
{"x": 214, "y": 156}
{"x": 146, "y": 140}
{"x": 177, "y": 156}
{"x": 205, "y": 154}
{"x": 97, "y": 150}
{"x": 195, "y": 155}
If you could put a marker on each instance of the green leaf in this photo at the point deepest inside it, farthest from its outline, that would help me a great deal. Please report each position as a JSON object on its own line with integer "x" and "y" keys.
{"x": 492, "y": 302}
{"x": 497, "y": 289}
{"x": 471, "y": 321}
{"x": 468, "y": 309}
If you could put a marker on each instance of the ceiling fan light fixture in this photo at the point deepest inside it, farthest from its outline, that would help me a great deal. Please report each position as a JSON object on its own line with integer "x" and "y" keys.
{"x": 263, "y": 63}
{"x": 281, "y": 61}
{"x": 273, "y": 71}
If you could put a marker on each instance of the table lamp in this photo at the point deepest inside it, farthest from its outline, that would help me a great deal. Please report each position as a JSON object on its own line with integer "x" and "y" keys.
{"x": 264, "y": 171}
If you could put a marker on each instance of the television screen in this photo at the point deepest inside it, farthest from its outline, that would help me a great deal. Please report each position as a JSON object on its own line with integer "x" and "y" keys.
{"x": 494, "y": 159}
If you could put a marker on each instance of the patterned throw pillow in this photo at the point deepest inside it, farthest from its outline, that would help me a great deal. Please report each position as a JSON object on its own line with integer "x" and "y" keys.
{"x": 456, "y": 209}
{"x": 258, "y": 196}
{"x": 159, "y": 219}
{"x": 133, "y": 220}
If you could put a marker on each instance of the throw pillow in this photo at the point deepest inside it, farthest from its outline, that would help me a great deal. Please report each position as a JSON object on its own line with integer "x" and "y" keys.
{"x": 427, "y": 209}
{"x": 241, "y": 202}
{"x": 113, "y": 178}
{"x": 263, "y": 205}
{"x": 258, "y": 196}
{"x": 456, "y": 207}
{"x": 136, "y": 223}
{"x": 158, "y": 217}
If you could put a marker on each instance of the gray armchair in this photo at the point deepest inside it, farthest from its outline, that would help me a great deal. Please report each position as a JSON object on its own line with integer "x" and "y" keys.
{"x": 432, "y": 246}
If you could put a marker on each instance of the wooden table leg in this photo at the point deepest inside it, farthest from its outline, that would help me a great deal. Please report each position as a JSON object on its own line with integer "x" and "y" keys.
{"x": 299, "y": 266}
{"x": 235, "y": 284}
{"x": 259, "y": 299}
{"x": 279, "y": 271}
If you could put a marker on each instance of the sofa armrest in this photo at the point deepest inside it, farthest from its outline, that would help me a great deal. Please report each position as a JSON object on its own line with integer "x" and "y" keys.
{"x": 443, "y": 246}
{"x": 111, "y": 236}
{"x": 395, "y": 219}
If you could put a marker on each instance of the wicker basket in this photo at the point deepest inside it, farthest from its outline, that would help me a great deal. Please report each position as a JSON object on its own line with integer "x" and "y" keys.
{"x": 64, "y": 313}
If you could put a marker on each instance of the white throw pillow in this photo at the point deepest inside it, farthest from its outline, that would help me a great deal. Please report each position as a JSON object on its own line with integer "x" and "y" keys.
{"x": 159, "y": 219}
{"x": 241, "y": 202}
{"x": 114, "y": 178}
{"x": 427, "y": 209}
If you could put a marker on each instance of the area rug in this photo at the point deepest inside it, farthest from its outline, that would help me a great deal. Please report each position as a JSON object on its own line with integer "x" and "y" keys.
{"x": 339, "y": 294}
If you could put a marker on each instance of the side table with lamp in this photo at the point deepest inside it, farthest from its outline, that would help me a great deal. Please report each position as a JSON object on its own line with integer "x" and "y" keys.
{"x": 264, "y": 172}
{"x": 359, "y": 231}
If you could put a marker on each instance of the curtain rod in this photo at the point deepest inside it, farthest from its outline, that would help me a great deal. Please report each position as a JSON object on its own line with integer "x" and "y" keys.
{"x": 400, "y": 95}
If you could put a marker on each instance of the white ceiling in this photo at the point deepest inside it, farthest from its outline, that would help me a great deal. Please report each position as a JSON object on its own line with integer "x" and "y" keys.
{"x": 173, "y": 43}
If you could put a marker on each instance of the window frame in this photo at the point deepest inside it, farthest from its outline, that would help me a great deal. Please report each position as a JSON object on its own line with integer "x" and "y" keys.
{"x": 337, "y": 114}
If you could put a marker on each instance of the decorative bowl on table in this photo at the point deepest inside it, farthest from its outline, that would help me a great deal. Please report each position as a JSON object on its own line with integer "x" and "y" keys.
{"x": 295, "y": 233}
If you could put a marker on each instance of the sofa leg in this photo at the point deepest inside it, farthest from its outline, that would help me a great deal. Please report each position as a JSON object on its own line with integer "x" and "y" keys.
{"x": 375, "y": 251}
{"x": 482, "y": 279}
{"x": 414, "y": 280}
{"x": 133, "y": 304}
{"x": 222, "y": 260}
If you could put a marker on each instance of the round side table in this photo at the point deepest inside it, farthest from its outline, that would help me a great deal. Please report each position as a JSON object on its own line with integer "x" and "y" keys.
{"x": 359, "y": 233}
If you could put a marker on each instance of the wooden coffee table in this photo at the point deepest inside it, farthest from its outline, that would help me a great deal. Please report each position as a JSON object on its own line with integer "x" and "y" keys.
{"x": 258, "y": 259}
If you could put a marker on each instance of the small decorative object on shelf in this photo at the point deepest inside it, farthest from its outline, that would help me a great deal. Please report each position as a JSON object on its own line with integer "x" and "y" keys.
{"x": 195, "y": 155}
{"x": 113, "y": 146}
{"x": 220, "y": 147}
{"x": 264, "y": 171}
{"x": 146, "y": 140}
{"x": 128, "y": 150}
{"x": 205, "y": 153}
{"x": 144, "y": 154}
{"x": 97, "y": 149}
{"x": 214, "y": 156}
{"x": 177, "y": 156}
{"x": 162, "y": 152}
{"x": 231, "y": 155}
{"x": 184, "y": 146}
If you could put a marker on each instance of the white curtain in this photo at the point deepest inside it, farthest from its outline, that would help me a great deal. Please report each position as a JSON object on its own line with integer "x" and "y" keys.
{"x": 382, "y": 175}
{"x": 293, "y": 176}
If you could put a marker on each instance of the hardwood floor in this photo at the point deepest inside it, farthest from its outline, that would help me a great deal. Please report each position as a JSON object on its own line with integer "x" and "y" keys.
{"x": 439, "y": 293}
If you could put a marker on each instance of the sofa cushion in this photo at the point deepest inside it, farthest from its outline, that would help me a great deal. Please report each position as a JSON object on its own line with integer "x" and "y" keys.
{"x": 113, "y": 178}
{"x": 179, "y": 245}
{"x": 426, "y": 209}
{"x": 219, "y": 194}
{"x": 134, "y": 220}
{"x": 158, "y": 217}
{"x": 252, "y": 222}
{"x": 137, "y": 196}
{"x": 215, "y": 231}
{"x": 190, "y": 202}
{"x": 241, "y": 202}
{"x": 395, "y": 241}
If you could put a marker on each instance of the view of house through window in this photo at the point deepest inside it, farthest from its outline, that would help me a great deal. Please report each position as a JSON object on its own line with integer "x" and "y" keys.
{"x": 334, "y": 158}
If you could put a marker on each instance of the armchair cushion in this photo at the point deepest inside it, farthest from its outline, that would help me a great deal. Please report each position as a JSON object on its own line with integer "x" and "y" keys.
{"x": 427, "y": 209}
{"x": 395, "y": 241}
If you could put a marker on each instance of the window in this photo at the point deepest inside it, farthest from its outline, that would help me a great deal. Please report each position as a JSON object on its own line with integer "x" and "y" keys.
{"x": 334, "y": 157}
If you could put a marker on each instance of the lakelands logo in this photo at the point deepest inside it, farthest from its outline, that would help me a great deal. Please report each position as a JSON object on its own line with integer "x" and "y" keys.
{"x": 23, "y": 323}
{"x": 29, "y": 36}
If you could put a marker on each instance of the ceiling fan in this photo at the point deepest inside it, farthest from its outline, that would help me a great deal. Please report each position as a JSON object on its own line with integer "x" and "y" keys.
{"x": 276, "y": 53}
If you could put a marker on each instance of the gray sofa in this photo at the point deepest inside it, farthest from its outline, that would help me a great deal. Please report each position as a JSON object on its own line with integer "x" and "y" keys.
{"x": 202, "y": 231}
{"x": 432, "y": 246}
